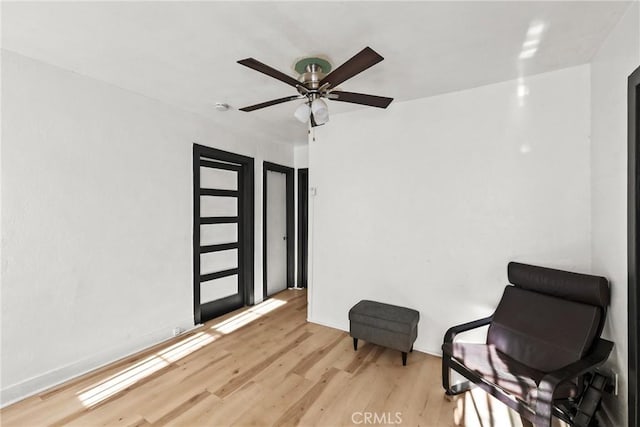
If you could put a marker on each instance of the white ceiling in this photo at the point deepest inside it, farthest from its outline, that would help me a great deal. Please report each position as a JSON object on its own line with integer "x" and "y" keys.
{"x": 185, "y": 53}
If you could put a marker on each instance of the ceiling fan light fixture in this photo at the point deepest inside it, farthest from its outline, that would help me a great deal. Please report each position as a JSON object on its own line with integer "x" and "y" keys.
{"x": 320, "y": 111}
{"x": 303, "y": 112}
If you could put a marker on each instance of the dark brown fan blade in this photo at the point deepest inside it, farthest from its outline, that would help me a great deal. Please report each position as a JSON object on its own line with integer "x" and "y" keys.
{"x": 366, "y": 58}
{"x": 360, "y": 98}
{"x": 272, "y": 72}
{"x": 269, "y": 103}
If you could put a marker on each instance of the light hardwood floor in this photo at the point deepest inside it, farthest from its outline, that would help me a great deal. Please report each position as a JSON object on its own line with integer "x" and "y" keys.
{"x": 263, "y": 365}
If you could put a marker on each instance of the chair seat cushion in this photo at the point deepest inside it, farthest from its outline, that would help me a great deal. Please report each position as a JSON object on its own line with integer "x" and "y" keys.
{"x": 508, "y": 374}
{"x": 542, "y": 331}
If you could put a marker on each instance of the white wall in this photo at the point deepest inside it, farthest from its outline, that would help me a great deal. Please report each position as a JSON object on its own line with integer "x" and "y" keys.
{"x": 301, "y": 156}
{"x": 424, "y": 204}
{"x": 97, "y": 220}
{"x": 614, "y": 62}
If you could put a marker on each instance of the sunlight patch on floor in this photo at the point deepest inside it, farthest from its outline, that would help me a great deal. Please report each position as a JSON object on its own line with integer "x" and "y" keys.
{"x": 101, "y": 391}
{"x": 248, "y": 316}
{"x": 478, "y": 409}
{"x": 105, "y": 389}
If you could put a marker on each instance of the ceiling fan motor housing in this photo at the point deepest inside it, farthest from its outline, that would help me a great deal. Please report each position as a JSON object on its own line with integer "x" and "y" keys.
{"x": 312, "y": 71}
{"x": 311, "y": 78}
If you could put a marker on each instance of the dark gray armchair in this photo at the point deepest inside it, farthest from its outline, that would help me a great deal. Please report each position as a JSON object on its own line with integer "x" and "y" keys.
{"x": 543, "y": 338}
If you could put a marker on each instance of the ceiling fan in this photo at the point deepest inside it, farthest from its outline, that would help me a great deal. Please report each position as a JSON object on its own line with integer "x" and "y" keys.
{"x": 317, "y": 81}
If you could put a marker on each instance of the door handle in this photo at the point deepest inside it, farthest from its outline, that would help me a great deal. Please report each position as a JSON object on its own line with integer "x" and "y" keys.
{"x": 284, "y": 237}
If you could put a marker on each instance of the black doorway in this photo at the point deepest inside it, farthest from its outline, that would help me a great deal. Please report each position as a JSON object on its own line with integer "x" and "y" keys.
{"x": 223, "y": 222}
{"x": 303, "y": 226}
{"x": 633, "y": 242}
{"x": 290, "y": 225}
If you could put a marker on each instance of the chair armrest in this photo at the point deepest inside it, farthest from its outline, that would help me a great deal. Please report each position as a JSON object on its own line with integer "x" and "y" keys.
{"x": 595, "y": 358}
{"x": 550, "y": 381}
{"x": 455, "y": 330}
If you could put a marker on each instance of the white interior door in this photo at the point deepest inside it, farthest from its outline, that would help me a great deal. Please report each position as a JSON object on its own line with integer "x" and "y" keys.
{"x": 276, "y": 231}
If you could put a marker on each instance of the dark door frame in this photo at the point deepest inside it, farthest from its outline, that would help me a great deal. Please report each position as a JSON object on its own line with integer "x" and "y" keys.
{"x": 245, "y": 220}
{"x": 289, "y": 176}
{"x": 633, "y": 295}
{"x": 303, "y": 226}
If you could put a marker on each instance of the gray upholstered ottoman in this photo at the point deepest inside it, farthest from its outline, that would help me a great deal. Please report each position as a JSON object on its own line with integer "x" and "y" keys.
{"x": 384, "y": 324}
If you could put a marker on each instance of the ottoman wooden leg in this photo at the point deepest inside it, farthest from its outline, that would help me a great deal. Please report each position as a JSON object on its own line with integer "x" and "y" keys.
{"x": 355, "y": 344}
{"x": 404, "y": 358}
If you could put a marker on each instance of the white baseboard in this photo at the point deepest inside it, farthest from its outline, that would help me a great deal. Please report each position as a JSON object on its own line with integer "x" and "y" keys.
{"x": 328, "y": 324}
{"x": 39, "y": 383}
{"x": 436, "y": 353}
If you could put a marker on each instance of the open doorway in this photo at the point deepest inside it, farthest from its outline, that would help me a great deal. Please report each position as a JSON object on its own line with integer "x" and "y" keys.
{"x": 278, "y": 228}
{"x": 303, "y": 226}
{"x": 634, "y": 244}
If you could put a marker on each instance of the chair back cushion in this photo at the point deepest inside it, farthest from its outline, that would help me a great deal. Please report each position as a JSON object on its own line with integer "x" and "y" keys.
{"x": 585, "y": 288}
{"x": 543, "y": 331}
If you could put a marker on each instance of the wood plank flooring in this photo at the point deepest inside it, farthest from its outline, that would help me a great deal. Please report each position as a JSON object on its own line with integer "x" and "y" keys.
{"x": 261, "y": 366}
